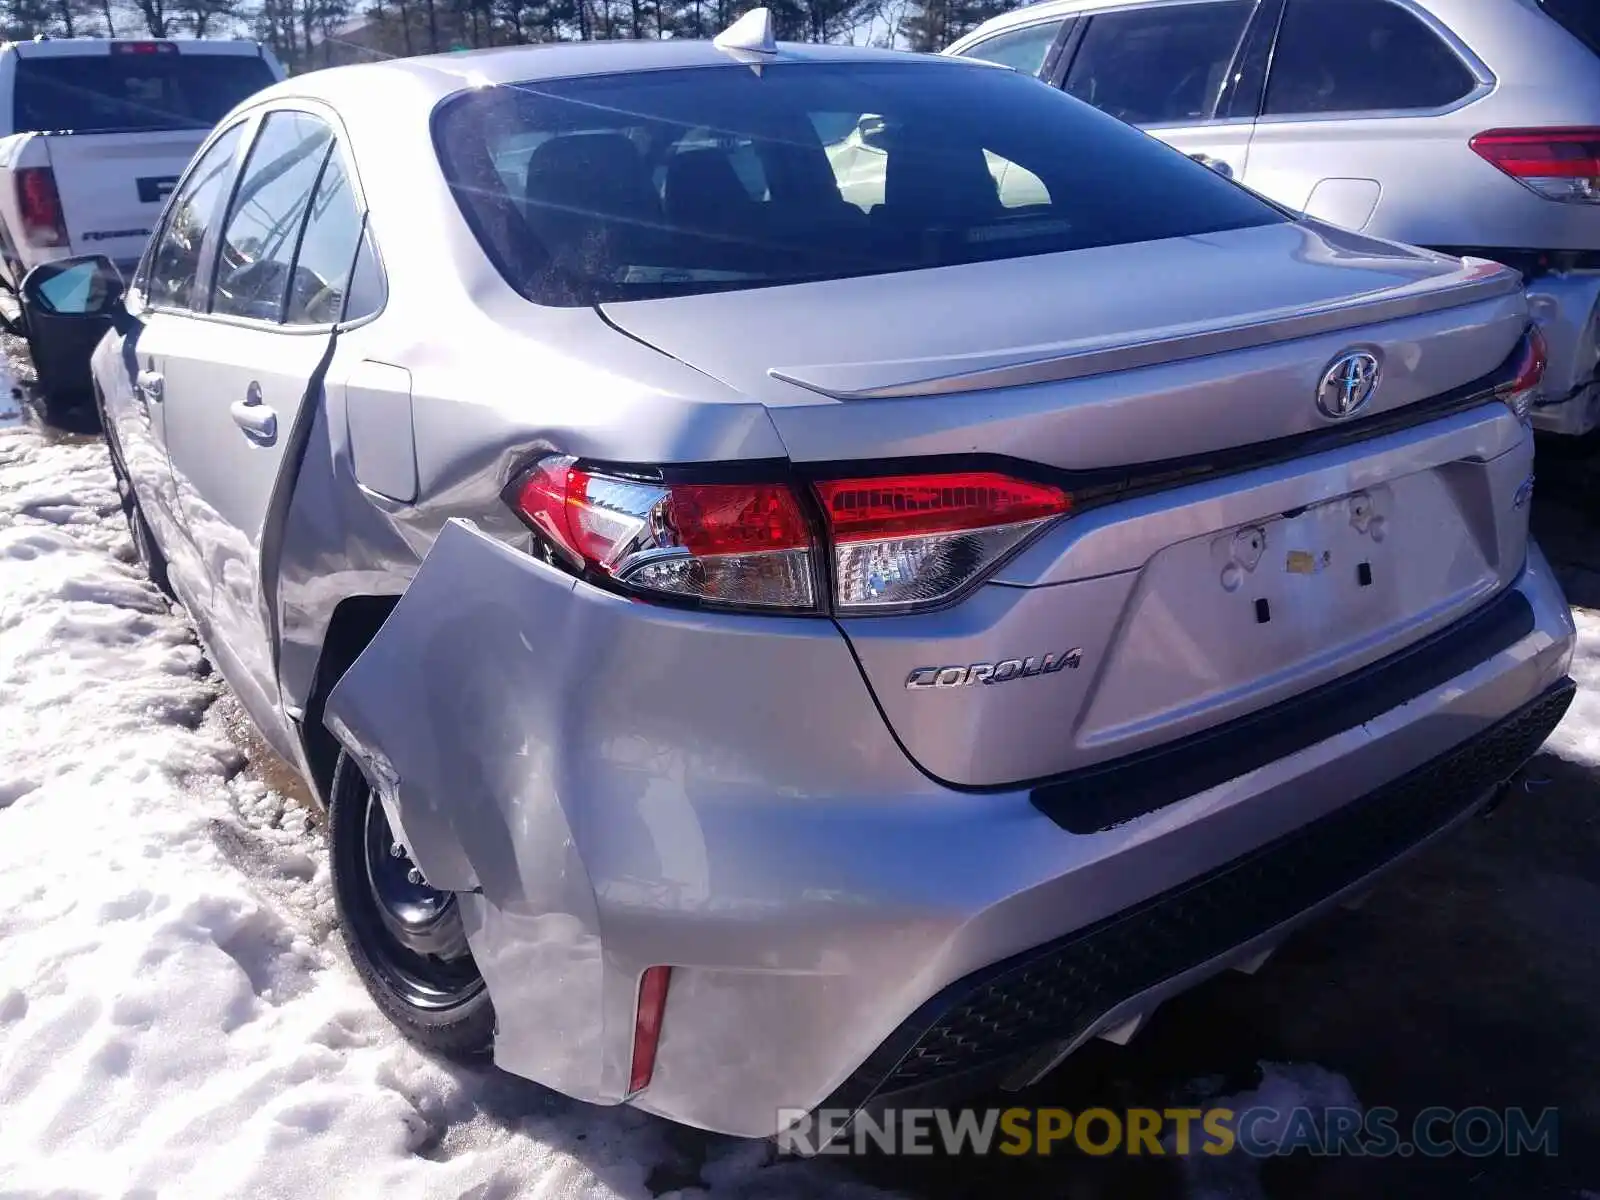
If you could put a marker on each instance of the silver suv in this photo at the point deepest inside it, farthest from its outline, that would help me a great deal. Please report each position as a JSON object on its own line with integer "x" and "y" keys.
{"x": 1470, "y": 126}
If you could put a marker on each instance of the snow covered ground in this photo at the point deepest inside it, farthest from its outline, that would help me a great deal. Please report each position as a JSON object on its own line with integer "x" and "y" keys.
{"x": 176, "y": 1014}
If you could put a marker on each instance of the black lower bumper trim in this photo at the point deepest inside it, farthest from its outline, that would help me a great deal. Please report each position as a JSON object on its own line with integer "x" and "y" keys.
{"x": 1100, "y": 797}
{"x": 1056, "y": 992}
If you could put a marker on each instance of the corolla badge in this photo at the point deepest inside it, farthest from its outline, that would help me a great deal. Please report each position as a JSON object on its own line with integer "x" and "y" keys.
{"x": 1348, "y": 384}
{"x": 1000, "y": 672}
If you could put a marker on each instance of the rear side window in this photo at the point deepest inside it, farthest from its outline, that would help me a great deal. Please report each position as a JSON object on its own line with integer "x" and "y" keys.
{"x": 1580, "y": 18}
{"x": 1353, "y": 56}
{"x": 607, "y": 188}
{"x": 269, "y": 208}
{"x": 120, "y": 93}
{"x": 1021, "y": 49}
{"x": 327, "y": 252}
{"x": 175, "y": 261}
{"x": 1159, "y": 65}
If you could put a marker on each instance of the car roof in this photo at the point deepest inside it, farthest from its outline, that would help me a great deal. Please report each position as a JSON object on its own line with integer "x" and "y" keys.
{"x": 562, "y": 60}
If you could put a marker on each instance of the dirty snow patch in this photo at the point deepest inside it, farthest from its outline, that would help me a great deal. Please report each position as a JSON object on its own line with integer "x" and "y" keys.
{"x": 1288, "y": 1095}
{"x": 1577, "y": 738}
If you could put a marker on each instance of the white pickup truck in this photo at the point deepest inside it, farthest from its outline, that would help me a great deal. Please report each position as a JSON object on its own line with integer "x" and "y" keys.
{"x": 94, "y": 133}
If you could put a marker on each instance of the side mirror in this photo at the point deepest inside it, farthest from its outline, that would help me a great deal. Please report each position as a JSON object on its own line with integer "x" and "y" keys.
{"x": 89, "y": 287}
{"x": 67, "y": 307}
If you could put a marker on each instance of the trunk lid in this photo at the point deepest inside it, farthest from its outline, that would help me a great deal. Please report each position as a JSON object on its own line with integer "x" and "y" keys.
{"x": 961, "y": 334}
{"x": 113, "y": 185}
{"x": 1140, "y": 621}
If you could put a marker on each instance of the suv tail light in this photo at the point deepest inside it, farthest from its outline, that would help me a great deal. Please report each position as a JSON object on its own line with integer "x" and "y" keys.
{"x": 1529, "y": 361}
{"x": 39, "y": 204}
{"x": 891, "y": 544}
{"x": 1558, "y": 164}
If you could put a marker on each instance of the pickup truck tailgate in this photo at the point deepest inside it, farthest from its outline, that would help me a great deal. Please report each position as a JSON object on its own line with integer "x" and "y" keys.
{"x": 112, "y": 185}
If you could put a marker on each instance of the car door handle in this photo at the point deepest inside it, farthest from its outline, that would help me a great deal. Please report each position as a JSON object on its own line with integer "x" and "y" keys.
{"x": 258, "y": 421}
{"x": 149, "y": 384}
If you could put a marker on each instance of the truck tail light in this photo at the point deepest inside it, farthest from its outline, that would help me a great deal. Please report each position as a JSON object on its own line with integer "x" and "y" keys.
{"x": 890, "y": 544}
{"x": 1528, "y": 363}
{"x": 39, "y": 204}
{"x": 911, "y": 540}
{"x": 1559, "y": 164}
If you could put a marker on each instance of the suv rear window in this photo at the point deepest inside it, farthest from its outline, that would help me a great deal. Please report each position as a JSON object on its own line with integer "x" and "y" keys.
{"x": 622, "y": 187}
{"x": 121, "y": 93}
{"x": 1580, "y": 18}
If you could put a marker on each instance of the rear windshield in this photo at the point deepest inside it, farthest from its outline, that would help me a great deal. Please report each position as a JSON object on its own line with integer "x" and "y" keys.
{"x": 664, "y": 183}
{"x": 1581, "y": 18}
{"x": 119, "y": 93}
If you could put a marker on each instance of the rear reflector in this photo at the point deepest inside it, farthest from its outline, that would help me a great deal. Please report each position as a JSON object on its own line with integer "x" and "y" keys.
{"x": 647, "y": 1026}
{"x": 916, "y": 540}
{"x": 1559, "y": 164}
{"x": 39, "y": 205}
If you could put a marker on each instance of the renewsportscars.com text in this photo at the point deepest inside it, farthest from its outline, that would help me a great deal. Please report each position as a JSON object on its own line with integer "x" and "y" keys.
{"x": 1259, "y": 1132}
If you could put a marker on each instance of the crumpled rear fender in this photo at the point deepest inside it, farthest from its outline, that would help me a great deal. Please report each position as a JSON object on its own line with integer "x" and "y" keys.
{"x": 592, "y": 774}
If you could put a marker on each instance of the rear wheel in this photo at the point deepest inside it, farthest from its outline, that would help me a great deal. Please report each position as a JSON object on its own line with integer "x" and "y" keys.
{"x": 405, "y": 938}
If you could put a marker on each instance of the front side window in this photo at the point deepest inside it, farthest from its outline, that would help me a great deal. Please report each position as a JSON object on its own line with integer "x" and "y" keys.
{"x": 175, "y": 261}
{"x": 1020, "y": 49}
{"x": 661, "y": 183}
{"x": 269, "y": 208}
{"x": 1159, "y": 65}
{"x": 1353, "y": 56}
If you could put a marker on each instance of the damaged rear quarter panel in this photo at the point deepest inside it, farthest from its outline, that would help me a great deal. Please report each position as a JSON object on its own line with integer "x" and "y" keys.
{"x": 586, "y": 767}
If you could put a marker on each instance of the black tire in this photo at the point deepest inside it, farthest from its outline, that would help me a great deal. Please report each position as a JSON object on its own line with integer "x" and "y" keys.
{"x": 419, "y": 973}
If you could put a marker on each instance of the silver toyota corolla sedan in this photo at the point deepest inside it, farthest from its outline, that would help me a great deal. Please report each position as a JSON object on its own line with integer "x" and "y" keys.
{"x": 774, "y": 635}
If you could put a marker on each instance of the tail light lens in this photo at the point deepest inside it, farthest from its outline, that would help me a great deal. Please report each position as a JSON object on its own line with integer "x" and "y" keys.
{"x": 1558, "y": 164}
{"x": 893, "y": 543}
{"x": 736, "y": 544}
{"x": 39, "y": 204}
{"x": 911, "y": 540}
{"x": 1530, "y": 359}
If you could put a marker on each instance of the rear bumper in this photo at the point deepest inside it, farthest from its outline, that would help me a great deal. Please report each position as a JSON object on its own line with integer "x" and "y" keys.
{"x": 1019, "y": 1017}
{"x": 1567, "y": 307}
{"x": 627, "y": 785}
{"x": 952, "y": 988}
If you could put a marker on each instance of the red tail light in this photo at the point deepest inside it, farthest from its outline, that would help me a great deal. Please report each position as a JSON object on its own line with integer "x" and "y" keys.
{"x": 908, "y": 540}
{"x": 143, "y": 48}
{"x": 738, "y": 544}
{"x": 897, "y": 542}
{"x": 647, "y": 1026}
{"x": 1531, "y": 358}
{"x": 1559, "y": 164}
{"x": 39, "y": 204}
